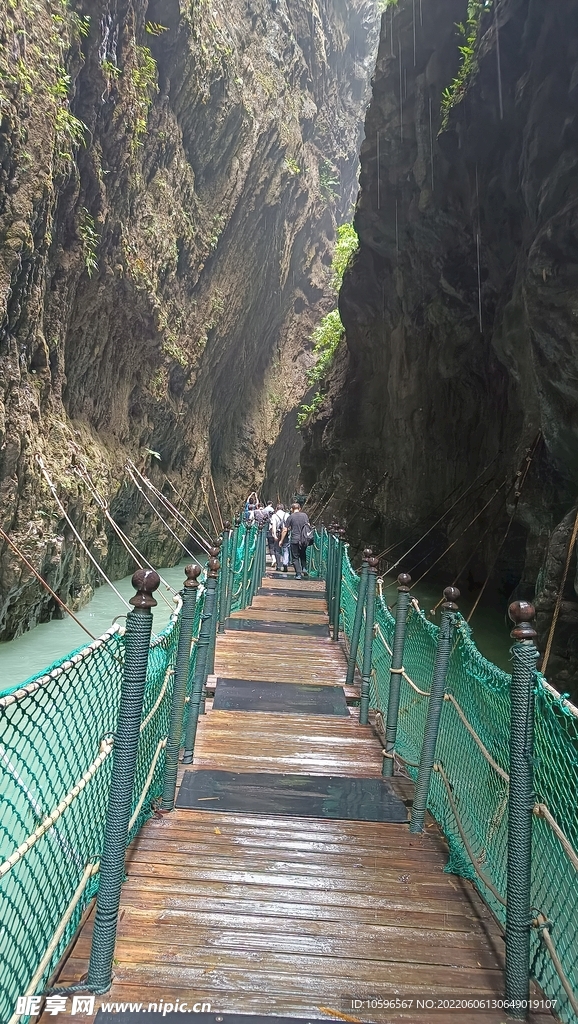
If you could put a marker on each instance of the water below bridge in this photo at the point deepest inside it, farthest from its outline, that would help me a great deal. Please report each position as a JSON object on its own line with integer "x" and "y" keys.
{"x": 30, "y": 653}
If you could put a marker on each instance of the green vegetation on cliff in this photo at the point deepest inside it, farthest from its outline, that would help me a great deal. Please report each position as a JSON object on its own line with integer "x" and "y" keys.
{"x": 468, "y": 34}
{"x": 329, "y": 331}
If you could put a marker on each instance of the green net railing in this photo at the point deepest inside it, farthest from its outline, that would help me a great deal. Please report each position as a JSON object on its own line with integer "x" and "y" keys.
{"x": 469, "y": 789}
{"x": 56, "y": 741}
{"x": 55, "y": 745}
{"x": 244, "y": 564}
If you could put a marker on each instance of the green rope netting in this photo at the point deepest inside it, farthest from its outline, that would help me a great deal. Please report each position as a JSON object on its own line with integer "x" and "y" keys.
{"x": 242, "y": 575}
{"x": 49, "y": 739}
{"x": 481, "y": 692}
{"x": 55, "y": 746}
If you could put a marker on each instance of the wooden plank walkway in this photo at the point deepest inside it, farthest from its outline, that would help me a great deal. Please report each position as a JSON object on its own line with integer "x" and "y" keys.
{"x": 269, "y": 914}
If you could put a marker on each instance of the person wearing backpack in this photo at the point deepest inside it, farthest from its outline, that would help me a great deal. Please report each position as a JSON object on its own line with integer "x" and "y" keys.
{"x": 298, "y": 528}
{"x": 281, "y": 551}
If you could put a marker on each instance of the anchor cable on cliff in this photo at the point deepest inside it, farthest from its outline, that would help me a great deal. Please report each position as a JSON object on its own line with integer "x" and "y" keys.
{"x": 136, "y": 555}
{"x": 438, "y": 521}
{"x": 158, "y": 514}
{"x": 84, "y": 546}
{"x": 171, "y": 509}
{"x": 46, "y": 585}
{"x": 188, "y": 508}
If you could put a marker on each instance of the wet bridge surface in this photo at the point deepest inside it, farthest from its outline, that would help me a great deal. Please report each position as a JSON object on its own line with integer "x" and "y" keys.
{"x": 276, "y": 886}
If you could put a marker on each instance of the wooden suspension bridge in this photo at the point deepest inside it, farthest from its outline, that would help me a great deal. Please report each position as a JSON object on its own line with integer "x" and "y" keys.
{"x": 275, "y": 908}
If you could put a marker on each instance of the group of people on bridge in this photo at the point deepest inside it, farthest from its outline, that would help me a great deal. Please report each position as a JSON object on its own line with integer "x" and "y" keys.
{"x": 288, "y": 534}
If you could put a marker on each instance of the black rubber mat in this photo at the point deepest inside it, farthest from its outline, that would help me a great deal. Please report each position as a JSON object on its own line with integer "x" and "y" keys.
{"x": 247, "y": 695}
{"x": 304, "y": 796}
{"x": 289, "y": 628}
{"x": 159, "y": 1017}
{"x": 289, "y": 592}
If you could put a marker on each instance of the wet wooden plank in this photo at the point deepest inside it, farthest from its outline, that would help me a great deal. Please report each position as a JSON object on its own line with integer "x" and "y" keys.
{"x": 218, "y": 843}
{"x": 273, "y": 613}
{"x": 256, "y": 992}
{"x": 431, "y": 914}
{"x": 169, "y": 940}
{"x": 288, "y": 603}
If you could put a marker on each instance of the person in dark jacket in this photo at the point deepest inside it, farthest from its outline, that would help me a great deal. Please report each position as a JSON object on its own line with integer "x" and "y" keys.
{"x": 294, "y": 529}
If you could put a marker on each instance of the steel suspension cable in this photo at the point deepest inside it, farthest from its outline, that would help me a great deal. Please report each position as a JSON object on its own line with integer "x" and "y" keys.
{"x": 517, "y": 482}
{"x": 84, "y": 546}
{"x": 158, "y": 515}
{"x": 438, "y": 521}
{"x": 460, "y": 535}
{"x": 189, "y": 510}
{"x": 46, "y": 585}
{"x": 131, "y": 548}
{"x": 559, "y": 597}
{"x": 521, "y": 476}
{"x": 168, "y": 505}
{"x": 216, "y": 501}
{"x": 215, "y": 527}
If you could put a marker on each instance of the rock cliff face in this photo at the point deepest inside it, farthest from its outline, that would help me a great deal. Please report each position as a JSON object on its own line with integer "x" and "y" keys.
{"x": 460, "y": 307}
{"x": 170, "y": 178}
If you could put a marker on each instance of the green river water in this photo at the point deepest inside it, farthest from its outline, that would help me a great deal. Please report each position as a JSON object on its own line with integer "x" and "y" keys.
{"x": 30, "y": 653}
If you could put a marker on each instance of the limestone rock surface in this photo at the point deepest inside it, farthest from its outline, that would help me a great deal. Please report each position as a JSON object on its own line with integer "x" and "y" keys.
{"x": 171, "y": 175}
{"x": 460, "y": 309}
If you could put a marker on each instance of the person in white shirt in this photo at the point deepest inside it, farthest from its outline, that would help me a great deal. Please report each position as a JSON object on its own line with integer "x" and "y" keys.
{"x": 281, "y": 551}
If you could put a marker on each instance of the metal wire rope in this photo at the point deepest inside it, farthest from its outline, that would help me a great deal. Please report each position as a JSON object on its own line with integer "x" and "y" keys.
{"x": 168, "y": 505}
{"x": 77, "y": 535}
{"x": 157, "y": 513}
{"x": 46, "y": 586}
{"x": 438, "y": 521}
{"x": 136, "y": 555}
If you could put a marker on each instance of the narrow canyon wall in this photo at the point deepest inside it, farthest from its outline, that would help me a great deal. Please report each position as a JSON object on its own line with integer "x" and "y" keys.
{"x": 171, "y": 174}
{"x": 460, "y": 307}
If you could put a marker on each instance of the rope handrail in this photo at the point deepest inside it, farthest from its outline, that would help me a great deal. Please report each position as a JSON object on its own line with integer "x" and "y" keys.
{"x": 541, "y": 811}
{"x": 403, "y": 673}
{"x": 40, "y": 681}
{"x": 477, "y": 818}
{"x": 542, "y": 924}
{"x": 474, "y": 860}
{"x": 449, "y": 697}
{"x": 105, "y": 749}
{"x": 169, "y": 672}
{"x": 89, "y": 871}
